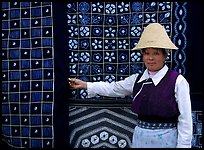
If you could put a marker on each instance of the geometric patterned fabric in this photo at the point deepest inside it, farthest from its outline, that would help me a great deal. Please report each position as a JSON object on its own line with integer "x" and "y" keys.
{"x": 102, "y": 34}
{"x": 27, "y": 74}
{"x": 112, "y": 127}
{"x": 100, "y": 38}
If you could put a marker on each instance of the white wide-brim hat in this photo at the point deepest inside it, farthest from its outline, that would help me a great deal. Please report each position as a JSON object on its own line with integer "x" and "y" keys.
{"x": 155, "y": 36}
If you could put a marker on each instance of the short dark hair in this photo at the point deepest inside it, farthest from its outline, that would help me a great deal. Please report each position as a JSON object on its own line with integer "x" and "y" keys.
{"x": 164, "y": 51}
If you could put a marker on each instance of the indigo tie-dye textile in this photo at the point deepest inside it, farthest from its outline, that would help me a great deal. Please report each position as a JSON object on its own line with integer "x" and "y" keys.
{"x": 44, "y": 43}
{"x": 27, "y": 74}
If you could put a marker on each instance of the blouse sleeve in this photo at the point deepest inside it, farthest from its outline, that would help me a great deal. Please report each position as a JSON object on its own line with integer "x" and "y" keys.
{"x": 185, "y": 126}
{"x": 114, "y": 89}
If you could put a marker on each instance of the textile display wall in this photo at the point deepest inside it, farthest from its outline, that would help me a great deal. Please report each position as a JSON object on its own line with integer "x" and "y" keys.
{"x": 31, "y": 76}
{"x": 44, "y": 43}
{"x": 27, "y": 74}
{"x": 101, "y": 36}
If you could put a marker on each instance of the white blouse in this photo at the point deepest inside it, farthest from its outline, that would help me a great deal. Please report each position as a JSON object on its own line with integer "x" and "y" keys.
{"x": 182, "y": 94}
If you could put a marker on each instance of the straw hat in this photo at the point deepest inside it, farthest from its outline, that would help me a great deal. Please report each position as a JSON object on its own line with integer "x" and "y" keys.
{"x": 154, "y": 35}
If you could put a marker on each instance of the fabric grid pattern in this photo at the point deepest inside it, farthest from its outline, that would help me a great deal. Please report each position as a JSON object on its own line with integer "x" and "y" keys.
{"x": 36, "y": 110}
{"x": 102, "y": 34}
{"x": 27, "y": 74}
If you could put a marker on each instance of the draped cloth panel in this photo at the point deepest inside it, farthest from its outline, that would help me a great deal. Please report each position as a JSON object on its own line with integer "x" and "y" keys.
{"x": 28, "y": 74}
{"x": 101, "y": 36}
{"x": 43, "y": 43}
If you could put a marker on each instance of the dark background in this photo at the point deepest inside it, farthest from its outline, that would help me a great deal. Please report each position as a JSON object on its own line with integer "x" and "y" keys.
{"x": 194, "y": 52}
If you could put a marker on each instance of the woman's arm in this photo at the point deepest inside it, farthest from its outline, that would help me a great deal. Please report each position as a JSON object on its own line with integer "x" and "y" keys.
{"x": 185, "y": 126}
{"x": 114, "y": 89}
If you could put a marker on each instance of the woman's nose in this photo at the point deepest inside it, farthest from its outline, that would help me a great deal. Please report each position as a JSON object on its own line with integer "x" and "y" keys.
{"x": 150, "y": 57}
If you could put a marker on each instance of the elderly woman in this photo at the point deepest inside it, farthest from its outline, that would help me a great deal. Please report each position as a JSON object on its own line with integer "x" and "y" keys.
{"x": 161, "y": 96}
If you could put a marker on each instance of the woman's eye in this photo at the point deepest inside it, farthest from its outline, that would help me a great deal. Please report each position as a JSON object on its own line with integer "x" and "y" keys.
{"x": 156, "y": 53}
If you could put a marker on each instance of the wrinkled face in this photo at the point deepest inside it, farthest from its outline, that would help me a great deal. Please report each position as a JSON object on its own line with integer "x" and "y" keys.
{"x": 154, "y": 58}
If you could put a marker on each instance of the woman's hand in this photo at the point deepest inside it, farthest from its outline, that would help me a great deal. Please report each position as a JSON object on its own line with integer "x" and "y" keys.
{"x": 77, "y": 83}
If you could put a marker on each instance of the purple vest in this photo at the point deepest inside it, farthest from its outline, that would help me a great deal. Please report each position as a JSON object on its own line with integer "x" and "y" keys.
{"x": 156, "y": 101}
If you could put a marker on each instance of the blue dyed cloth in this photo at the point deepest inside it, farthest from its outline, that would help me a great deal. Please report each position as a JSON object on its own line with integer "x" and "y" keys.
{"x": 28, "y": 74}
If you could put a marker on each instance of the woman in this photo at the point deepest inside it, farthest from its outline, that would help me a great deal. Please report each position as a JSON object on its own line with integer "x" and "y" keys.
{"x": 161, "y": 96}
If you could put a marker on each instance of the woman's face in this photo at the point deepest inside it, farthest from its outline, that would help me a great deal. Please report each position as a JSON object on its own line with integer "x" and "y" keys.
{"x": 153, "y": 58}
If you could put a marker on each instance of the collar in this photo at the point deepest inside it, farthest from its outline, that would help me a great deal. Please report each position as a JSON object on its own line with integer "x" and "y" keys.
{"x": 157, "y": 77}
